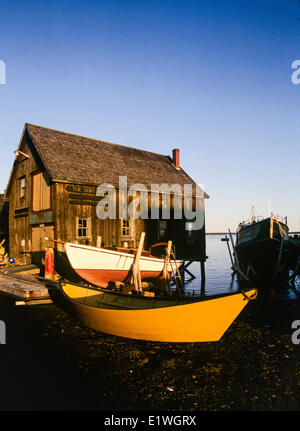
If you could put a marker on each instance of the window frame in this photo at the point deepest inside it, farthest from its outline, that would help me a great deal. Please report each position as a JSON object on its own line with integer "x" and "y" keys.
{"x": 127, "y": 236}
{"x": 22, "y": 189}
{"x": 87, "y": 228}
{"x": 125, "y": 228}
{"x": 162, "y": 229}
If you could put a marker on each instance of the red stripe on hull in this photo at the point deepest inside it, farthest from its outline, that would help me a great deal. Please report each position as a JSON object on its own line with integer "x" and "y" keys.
{"x": 101, "y": 278}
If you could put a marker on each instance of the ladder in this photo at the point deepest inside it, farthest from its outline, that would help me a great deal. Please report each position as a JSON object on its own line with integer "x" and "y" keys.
{"x": 176, "y": 273}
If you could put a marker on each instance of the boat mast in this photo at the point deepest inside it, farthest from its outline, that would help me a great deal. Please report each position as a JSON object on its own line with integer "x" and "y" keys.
{"x": 269, "y": 207}
{"x": 253, "y": 215}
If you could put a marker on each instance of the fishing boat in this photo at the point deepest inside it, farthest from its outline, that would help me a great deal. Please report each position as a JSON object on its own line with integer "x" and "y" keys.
{"x": 164, "y": 319}
{"x": 262, "y": 244}
{"x": 102, "y": 266}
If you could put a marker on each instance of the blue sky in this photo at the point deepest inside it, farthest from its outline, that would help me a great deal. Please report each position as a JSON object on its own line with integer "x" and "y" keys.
{"x": 212, "y": 78}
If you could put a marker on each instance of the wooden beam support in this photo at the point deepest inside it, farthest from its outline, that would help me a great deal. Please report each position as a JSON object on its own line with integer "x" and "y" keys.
{"x": 136, "y": 265}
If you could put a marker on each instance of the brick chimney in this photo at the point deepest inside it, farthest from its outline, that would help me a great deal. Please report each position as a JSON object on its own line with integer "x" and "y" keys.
{"x": 176, "y": 158}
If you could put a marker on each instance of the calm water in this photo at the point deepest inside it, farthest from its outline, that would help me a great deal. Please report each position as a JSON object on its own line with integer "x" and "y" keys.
{"x": 218, "y": 271}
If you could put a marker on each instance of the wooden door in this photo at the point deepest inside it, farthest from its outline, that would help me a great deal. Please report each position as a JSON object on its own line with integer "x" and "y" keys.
{"x": 39, "y": 243}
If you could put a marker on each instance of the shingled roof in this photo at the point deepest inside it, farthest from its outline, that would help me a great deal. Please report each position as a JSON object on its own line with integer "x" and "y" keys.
{"x": 74, "y": 158}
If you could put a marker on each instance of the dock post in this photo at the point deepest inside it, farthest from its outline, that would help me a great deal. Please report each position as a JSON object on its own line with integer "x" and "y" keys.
{"x": 236, "y": 266}
{"x": 229, "y": 251}
{"x": 202, "y": 267}
{"x": 49, "y": 263}
{"x": 233, "y": 248}
{"x": 182, "y": 272}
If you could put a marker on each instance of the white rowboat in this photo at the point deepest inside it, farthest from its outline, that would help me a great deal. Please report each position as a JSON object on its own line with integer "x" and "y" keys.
{"x": 101, "y": 266}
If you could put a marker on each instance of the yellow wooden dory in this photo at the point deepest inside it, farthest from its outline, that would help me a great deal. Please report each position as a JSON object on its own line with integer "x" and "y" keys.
{"x": 167, "y": 319}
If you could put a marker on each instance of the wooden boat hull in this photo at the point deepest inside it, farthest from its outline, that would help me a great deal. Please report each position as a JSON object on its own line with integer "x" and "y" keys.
{"x": 259, "y": 243}
{"x": 154, "y": 319}
{"x": 261, "y": 254}
{"x": 101, "y": 266}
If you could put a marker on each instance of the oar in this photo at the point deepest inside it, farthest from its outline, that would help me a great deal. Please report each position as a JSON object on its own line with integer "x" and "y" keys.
{"x": 55, "y": 240}
{"x": 165, "y": 268}
{"x": 136, "y": 265}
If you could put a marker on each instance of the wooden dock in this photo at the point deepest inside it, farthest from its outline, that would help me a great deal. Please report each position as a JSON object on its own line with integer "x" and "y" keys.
{"x": 26, "y": 289}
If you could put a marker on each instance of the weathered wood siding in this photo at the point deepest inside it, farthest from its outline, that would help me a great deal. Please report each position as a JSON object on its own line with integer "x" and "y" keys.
{"x": 72, "y": 202}
{"x": 20, "y": 242}
{"x": 3, "y": 219}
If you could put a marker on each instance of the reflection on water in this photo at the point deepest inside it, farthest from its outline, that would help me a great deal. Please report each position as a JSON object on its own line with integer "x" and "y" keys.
{"x": 218, "y": 272}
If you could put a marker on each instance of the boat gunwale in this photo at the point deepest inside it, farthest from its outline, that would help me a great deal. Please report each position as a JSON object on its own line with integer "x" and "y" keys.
{"x": 116, "y": 252}
{"x": 245, "y": 226}
{"x": 189, "y": 299}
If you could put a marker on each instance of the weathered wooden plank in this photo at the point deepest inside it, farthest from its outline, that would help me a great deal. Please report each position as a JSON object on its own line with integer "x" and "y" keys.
{"x": 34, "y": 302}
{"x": 19, "y": 288}
{"x": 22, "y": 269}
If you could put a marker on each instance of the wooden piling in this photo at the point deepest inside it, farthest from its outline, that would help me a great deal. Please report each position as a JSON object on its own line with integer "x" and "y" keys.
{"x": 236, "y": 266}
{"x": 202, "y": 267}
{"x": 229, "y": 251}
{"x": 49, "y": 263}
{"x": 233, "y": 248}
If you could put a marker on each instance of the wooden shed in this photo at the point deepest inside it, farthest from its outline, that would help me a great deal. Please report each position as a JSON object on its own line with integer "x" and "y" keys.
{"x": 52, "y": 192}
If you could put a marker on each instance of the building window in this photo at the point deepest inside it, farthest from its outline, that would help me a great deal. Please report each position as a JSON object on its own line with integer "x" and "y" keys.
{"x": 40, "y": 193}
{"x": 125, "y": 226}
{"x": 82, "y": 228}
{"x": 189, "y": 229}
{"x": 22, "y": 187}
{"x": 162, "y": 229}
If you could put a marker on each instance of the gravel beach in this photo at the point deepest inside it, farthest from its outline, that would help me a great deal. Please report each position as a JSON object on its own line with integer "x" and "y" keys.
{"x": 51, "y": 362}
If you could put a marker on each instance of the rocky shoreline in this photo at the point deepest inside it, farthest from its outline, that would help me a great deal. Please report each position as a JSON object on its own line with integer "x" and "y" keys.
{"x": 51, "y": 362}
